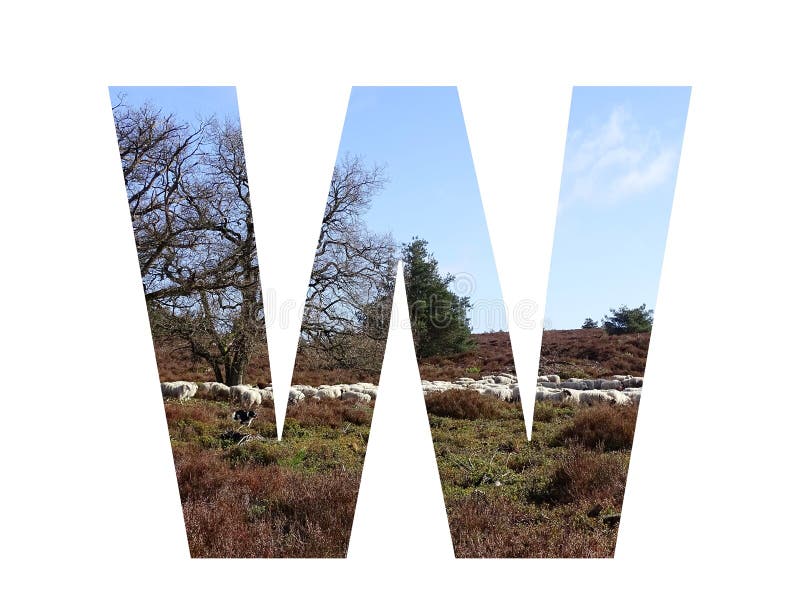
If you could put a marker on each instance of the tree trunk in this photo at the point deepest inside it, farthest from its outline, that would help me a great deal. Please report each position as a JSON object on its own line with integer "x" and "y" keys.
{"x": 235, "y": 368}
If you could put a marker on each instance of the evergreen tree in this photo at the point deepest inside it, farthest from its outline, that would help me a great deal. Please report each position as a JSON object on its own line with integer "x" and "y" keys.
{"x": 439, "y": 321}
{"x": 629, "y": 320}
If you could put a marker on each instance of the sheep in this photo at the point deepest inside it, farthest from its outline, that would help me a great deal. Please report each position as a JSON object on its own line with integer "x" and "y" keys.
{"x": 635, "y": 382}
{"x": 619, "y": 397}
{"x": 180, "y": 390}
{"x": 355, "y": 397}
{"x": 550, "y": 395}
{"x": 220, "y": 391}
{"x": 548, "y": 384}
{"x": 635, "y": 394}
{"x": 327, "y": 392}
{"x": 246, "y": 396}
{"x": 609, "y": 384}
{"x": 204, "y": 389}
{"x": 266, "y": 394}
{"x": 500, "y": 392}
{"x": 307, "y": 390}
{"x": 574, "y": 385}
{"x": 372, "y": 392}
{"x": 295, "y": 396}
{"x": 592, "y": 397}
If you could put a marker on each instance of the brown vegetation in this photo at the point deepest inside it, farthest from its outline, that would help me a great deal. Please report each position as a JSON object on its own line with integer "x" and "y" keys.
{"x": 466, "y": 404}
{"x": 259, "y": 497}
{"x": 569, "y": 353}
{"x": 602, "y": 426}
{"x": 259, "y": 511}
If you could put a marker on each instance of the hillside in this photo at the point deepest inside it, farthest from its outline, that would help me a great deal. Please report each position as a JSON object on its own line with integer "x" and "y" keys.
{"x": 568, "y": 353}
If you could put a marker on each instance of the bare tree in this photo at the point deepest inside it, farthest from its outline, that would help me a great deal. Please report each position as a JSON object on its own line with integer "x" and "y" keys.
{"x": 189, "y": 201}
{"x": 190, "y": 207}
{"x": 353, "y": 267}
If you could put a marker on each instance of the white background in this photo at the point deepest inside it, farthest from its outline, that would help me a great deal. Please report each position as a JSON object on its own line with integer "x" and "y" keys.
{"x": 89, "y": 498}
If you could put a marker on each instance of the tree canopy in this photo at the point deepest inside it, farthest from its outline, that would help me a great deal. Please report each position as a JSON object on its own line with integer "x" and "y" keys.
{"x": 439, "y": 321}
{"x": 628, "y": 320}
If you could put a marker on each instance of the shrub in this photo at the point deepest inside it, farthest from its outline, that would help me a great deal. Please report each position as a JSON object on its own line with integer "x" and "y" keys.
{"x": 602, "y": 426}
{"x": 496, "y": 527}
{"x": 464, "y": 404}
{"x": 544, "y": 412}
{"x": 581, "y": 476}
{"x": 329, "y": 413}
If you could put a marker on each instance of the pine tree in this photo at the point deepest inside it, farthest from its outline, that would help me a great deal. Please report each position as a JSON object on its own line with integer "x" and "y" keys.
{"x": 439, "y": 321}
{"x": 628, "y": 320}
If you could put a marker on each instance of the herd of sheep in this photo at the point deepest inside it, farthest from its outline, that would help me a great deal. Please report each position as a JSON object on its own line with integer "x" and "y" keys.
{"x": 249, "y": 397}
{"x": 619, "y": 389}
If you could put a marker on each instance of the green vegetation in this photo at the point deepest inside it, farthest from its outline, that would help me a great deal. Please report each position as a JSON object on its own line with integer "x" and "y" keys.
{"x": 628, "y": 320}
{"x": 439, "y": 320}
{"x": 257, "y": 497}
{"x": 506, "y": 497}
{"x": 590, "y": 324}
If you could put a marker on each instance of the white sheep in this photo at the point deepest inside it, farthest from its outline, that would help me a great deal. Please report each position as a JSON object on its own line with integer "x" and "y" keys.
{"x": 592, "y": 397}
{"x": 220, "y": 391}
{"x": 635, "y": 394}
{"x": 327, "y": 392}
{"x": 204, "y": 389}
{"x": 307, "y": 390}
{"x": 267, "y": 395}
{"x": 570, "y": 384}
{"x": 619, "y": 397}
{"x": 548, "y": 384}
{"x": 350, "y": 396}
{"x": 246, "y": 396}
{"x": 180, "y": 390}
{"x": 609, "y": 384}
{"x": 295, "y": 396}
{"x": 500, "y": 392}
{"x": 550, "y": 395}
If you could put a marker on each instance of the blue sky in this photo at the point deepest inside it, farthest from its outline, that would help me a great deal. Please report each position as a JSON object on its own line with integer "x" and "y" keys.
{"x": 620, "y": 166}
{"x": 186, "y": 102}
{"x": 418, "y": 133}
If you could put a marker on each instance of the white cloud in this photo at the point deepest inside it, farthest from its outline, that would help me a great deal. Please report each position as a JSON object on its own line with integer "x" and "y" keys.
{"x": 648, "y": 176}
{"x": 615, "y": 161}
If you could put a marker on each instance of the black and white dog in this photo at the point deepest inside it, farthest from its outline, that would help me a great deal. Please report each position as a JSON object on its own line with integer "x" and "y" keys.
{"x": 245, "y": 417}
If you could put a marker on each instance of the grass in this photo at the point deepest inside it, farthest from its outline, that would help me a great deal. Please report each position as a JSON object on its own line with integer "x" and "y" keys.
{"x": 505, "y": 496}
{"x": 265, "y": 498}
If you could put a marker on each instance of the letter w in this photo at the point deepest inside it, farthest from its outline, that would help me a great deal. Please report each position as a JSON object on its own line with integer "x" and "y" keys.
{"x": 265, "y": 470}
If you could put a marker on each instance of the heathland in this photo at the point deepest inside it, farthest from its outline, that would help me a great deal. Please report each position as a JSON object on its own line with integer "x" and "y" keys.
{"x": 244, "y": 493}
